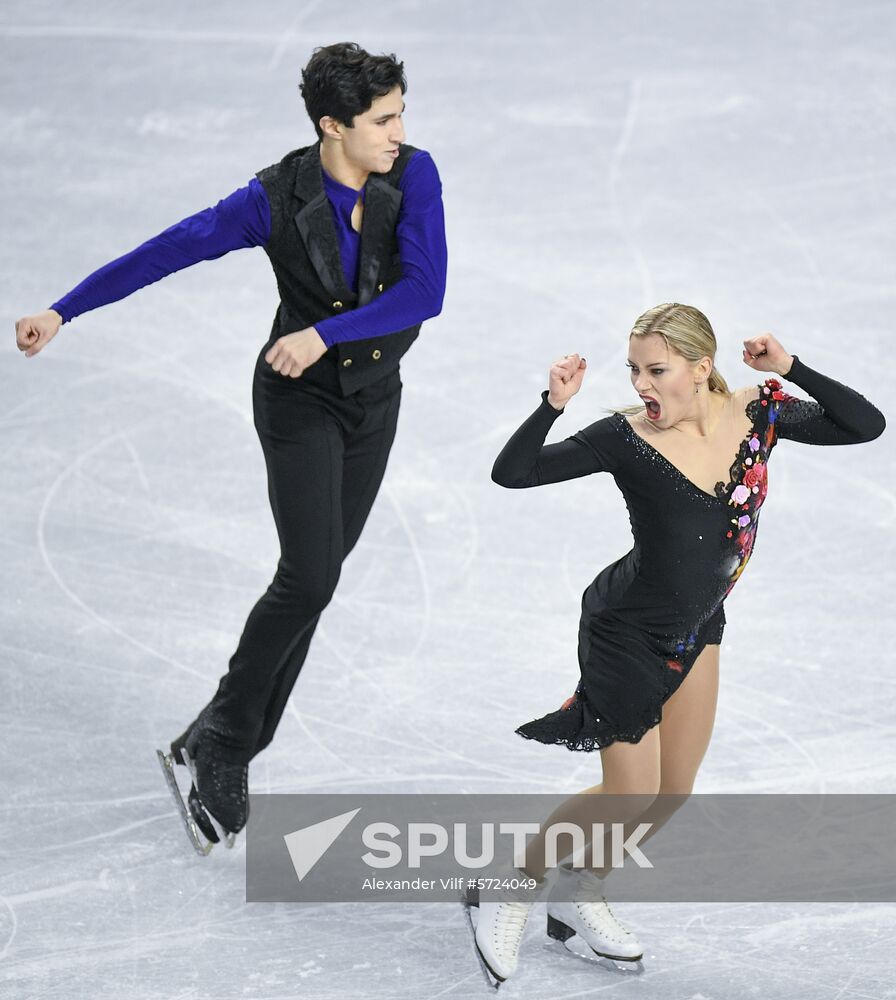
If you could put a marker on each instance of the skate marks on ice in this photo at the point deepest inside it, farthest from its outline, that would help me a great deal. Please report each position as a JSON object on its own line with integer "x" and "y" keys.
{"x": 74, "y": 469}
{"x": 163, "y": 924}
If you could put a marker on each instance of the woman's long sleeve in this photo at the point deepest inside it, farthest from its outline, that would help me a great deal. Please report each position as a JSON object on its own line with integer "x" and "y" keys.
{"x": 836, "y": 414}
{"x": 527, "y": 461}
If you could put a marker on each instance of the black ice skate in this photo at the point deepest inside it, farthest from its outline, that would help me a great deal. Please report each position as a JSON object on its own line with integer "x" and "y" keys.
{"x": 216, "y": 806}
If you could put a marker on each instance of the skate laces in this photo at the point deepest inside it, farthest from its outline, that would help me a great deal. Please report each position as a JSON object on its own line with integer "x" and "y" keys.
{"x": 511, "y": 921}
{"x": 588, "y": 887}
{"x": 598, "y": 915}
{"x": 224, "y": 778}
{"x": 224, "y": 790}
{"x": 593, "y": 907}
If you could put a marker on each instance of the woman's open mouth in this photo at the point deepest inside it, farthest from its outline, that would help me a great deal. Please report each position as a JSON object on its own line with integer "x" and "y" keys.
{"x": 652, "y": 407}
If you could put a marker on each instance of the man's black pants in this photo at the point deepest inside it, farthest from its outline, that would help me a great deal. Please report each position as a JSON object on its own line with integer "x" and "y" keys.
{"x": 326, "y": 456}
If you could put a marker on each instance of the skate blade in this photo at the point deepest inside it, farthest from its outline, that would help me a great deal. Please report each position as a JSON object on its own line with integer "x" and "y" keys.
{"x": 199, "y": 842}
{"x": 224, "y": 836}
{"x": 620, "y": 964}
{"x": 470, "y": 900}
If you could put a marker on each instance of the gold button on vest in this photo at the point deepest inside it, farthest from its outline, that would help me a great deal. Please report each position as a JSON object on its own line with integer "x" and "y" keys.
{"x": 377, "y": 354}
{"x": 346, "y": 363}
{"x": 337, "y": 304}
{"x": 379, "y": 288}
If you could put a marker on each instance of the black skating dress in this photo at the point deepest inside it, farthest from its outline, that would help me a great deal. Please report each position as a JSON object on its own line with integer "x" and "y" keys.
{"x": 647, "y": 616}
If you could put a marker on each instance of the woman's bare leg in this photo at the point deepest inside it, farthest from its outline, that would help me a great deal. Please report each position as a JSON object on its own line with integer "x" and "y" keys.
{"x": 665, "y": 762}
{"x": 688, "y": 719}
{"x": 684, "y": 735}
{"x": 629, "y": 769}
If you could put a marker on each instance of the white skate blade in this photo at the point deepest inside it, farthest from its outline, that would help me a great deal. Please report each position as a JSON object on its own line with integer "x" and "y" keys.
{"x": 199, "y": 842}
{"x": 578, "y": 947}
{"x": 470, "y": 900}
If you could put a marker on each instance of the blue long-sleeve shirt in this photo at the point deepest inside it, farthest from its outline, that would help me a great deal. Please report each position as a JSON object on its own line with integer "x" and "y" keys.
{"x": 243, "y": 219}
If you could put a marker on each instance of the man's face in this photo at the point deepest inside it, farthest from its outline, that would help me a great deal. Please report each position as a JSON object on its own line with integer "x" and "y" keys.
{"x": 372, "y": 143}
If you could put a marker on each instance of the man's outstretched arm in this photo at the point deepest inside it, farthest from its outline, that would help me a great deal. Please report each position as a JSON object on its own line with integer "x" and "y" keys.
{"x": 239, "y": 221}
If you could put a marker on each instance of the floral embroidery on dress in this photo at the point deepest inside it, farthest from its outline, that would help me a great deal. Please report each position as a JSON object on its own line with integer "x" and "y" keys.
{"x": 749, "y": 494}
{"x": 682, "y": 647}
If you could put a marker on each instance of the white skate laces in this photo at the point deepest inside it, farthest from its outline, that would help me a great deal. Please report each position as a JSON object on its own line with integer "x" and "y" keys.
{"x": 595, "y": 910}
{"x": 501, "y": 926}
{"x": 588, "y": 915}
{"x": 499, "y": 933}
{"x": 508, "y": 925}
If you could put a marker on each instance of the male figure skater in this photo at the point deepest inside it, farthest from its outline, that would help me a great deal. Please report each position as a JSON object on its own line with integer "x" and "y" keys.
{"x": 354, "y": 229}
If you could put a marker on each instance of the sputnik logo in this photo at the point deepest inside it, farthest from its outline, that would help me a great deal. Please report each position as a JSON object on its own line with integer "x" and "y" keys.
{"x": 307, "y": 846}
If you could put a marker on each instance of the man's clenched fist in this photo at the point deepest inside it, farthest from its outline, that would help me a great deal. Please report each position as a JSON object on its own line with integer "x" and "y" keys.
{"x": 33, "y": 333}
{"x": 292, "y": 354}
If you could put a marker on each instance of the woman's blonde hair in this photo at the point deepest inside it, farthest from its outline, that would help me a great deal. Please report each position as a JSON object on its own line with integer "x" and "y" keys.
{"x": 686, "y": 331}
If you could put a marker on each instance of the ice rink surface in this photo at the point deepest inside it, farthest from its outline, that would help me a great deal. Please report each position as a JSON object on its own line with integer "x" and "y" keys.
{"x": 597, "y": 159}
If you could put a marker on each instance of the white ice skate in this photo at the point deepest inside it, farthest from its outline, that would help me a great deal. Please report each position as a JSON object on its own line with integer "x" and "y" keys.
{"x": 497, "y": 933}
{"x": 589, "y": 915}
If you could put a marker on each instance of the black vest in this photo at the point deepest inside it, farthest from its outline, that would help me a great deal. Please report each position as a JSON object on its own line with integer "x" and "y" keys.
{"x": 304, "y": 252}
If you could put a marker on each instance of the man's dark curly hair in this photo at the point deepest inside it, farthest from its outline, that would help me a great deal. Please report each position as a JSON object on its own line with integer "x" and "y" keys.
{"x": 343, "y": 80}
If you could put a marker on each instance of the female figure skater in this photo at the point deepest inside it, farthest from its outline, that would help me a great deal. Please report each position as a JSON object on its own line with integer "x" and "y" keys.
{"x": 692, "y": 466}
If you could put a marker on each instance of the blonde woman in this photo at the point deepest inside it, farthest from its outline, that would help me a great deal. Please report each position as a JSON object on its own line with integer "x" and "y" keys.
{"x": 691, "y": 463}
